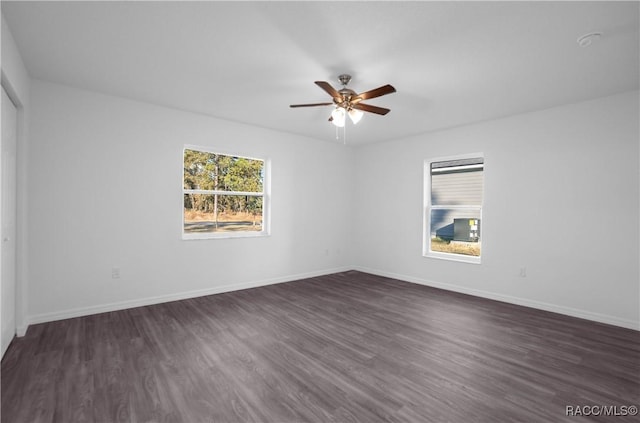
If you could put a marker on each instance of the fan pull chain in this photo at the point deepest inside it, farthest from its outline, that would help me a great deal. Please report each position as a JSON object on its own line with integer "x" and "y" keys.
{"x": 344, "y": 134}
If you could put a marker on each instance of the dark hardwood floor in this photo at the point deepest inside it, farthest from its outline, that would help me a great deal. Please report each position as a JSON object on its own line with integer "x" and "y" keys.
{"x": 349, "y": 347}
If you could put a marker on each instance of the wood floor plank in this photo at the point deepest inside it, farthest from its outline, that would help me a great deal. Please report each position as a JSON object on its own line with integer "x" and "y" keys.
{"x": 348, "y": 347}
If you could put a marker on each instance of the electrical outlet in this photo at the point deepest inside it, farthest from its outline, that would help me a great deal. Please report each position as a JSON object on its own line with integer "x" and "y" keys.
{"x": 115, "y": 273}
{"x": 523, "y": 272}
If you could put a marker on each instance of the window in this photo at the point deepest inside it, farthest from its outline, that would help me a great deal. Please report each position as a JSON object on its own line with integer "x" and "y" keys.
{"x": 223, "y": 195}
{"x": 453, "y": 208}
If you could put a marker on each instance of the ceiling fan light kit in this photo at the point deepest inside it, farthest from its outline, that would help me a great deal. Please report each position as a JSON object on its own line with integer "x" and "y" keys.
{"x": 349, "y": 103}
{"x": 355, "y": 115}
{"x": 338, "y": 117}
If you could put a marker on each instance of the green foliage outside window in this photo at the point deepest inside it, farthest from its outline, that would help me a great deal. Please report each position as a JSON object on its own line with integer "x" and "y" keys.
{"x": 222, "y": 192}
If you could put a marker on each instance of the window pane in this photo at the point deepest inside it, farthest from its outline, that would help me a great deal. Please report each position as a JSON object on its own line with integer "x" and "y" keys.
{"x": 455, "y": 231}
{"x": 222, "y": 213}
{"x": 211, "y": 171}
{"x": 454, "y": 209}
{"x": 457, "y": 187}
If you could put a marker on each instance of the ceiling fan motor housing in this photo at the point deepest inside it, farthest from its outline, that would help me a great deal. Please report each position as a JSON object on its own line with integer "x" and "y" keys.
{"x": 347, "y": 95}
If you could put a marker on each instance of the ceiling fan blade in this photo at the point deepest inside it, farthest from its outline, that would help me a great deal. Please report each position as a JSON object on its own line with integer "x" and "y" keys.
{"x": 371, "y": 109}
{"x": 329, "y": 89}
{"x": 311, "y": 105}
{"x": 380, "y": 91}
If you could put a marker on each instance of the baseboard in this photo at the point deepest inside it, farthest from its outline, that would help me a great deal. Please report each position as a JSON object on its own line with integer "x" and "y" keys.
{"x": 21, "y": 330}
{"x": 104, "y": 308}
{"x": 582, "y": 314}
{"x": 122, "y": 305}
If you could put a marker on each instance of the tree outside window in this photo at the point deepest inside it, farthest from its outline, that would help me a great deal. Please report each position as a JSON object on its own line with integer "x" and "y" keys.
{"x": 223, "y": 195}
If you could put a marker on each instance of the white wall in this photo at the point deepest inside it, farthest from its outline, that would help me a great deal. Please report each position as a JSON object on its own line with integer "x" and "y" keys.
{"x": 561, "y": 199}
{"x": 14, "y": 74}
{"x": 16, "y": 82}
{"x": 105, "y": 191}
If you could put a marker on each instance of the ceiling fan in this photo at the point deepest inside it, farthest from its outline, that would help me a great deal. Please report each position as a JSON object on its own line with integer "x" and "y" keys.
{"x": 348, "y": 102}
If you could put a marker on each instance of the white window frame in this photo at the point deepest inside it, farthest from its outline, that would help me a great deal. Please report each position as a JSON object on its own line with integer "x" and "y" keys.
{"x": 428, "y": 207}
{"x": 266, "y": 198}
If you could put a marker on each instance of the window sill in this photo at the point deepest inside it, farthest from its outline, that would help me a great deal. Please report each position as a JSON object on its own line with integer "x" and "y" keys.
{"x": 453, "y": 257}
{"x": 224, "y": 235}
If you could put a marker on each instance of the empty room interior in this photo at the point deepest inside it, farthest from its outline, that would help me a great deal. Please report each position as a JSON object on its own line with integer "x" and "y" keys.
{"x": 320, "y": 211}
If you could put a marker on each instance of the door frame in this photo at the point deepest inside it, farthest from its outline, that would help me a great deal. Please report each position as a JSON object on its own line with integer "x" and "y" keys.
{"x": 21, "y": 318}
{"x": 8, "y": 204}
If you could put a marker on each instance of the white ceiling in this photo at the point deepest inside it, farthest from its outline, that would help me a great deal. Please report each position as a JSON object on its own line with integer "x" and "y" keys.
{"x": 452, "y": 63}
